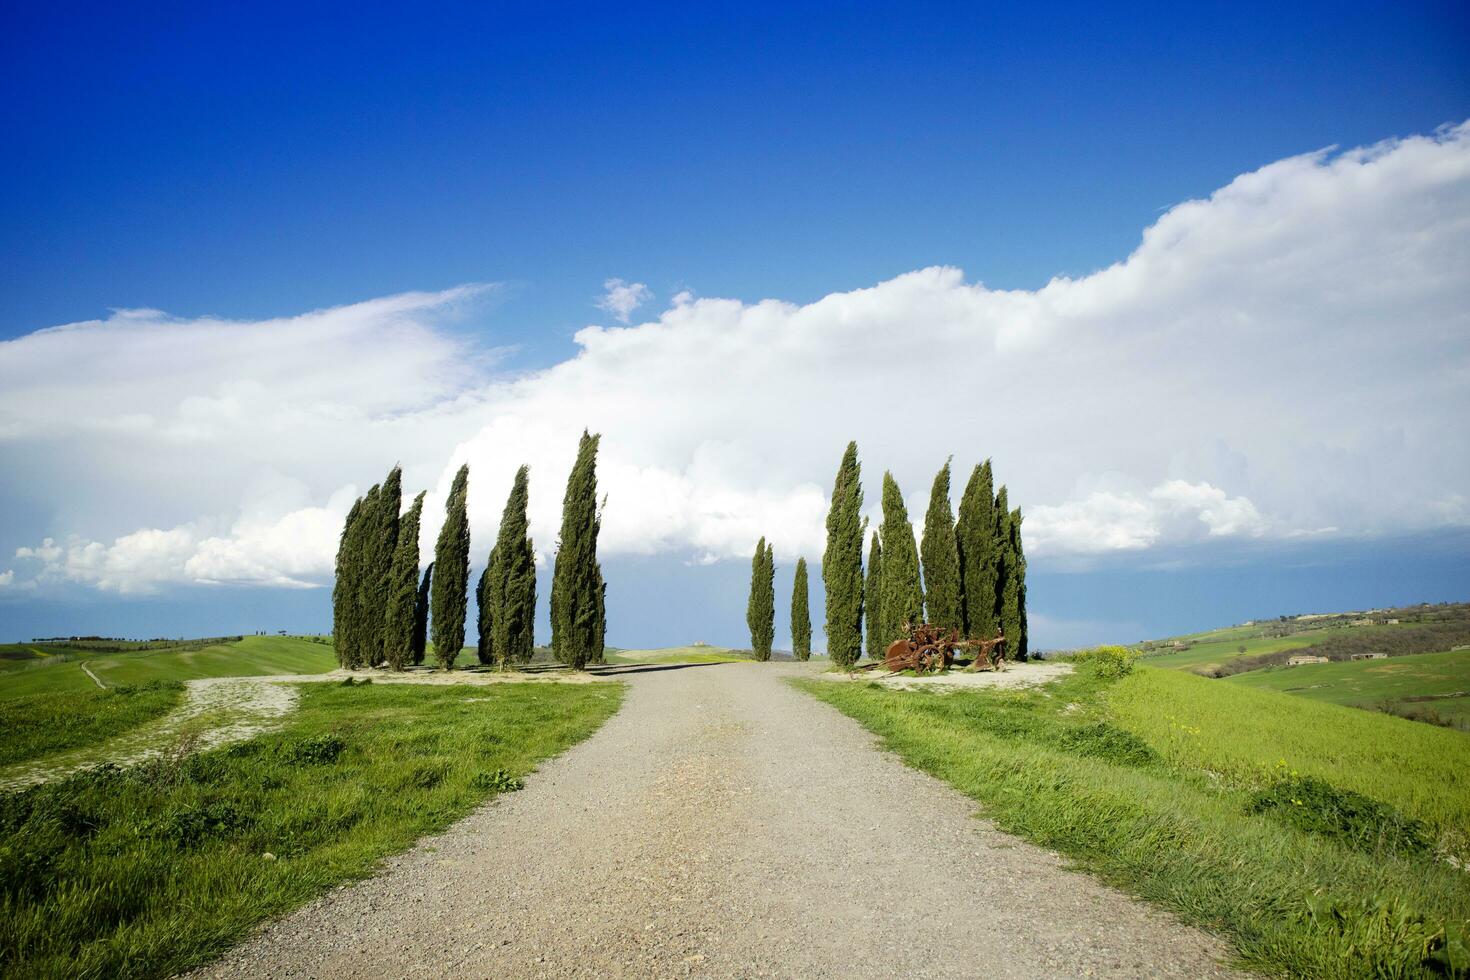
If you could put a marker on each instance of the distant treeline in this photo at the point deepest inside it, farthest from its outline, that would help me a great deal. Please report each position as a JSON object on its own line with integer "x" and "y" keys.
{"x": 109, "y": 644}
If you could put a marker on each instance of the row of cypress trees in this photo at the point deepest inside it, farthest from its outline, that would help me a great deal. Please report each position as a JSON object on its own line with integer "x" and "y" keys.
{"x": 381, "y": 608}
{"x": 973, "y": 567}
{"x": 760, "y": 611}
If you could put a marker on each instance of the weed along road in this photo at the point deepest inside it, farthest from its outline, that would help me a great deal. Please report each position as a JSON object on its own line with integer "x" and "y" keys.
{"x": 725, "y": 824}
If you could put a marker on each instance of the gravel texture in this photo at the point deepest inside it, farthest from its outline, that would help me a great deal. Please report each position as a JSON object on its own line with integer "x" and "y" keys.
{"x": 725, "y": 824}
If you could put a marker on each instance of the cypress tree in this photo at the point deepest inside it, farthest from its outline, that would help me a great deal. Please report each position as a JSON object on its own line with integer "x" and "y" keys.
{"x": 421, "y": 617}
{"x": 451, "y": 583}
{"x": 902, "y": 595}
{"x": 599, "y": 630}
{"x": 576, "y": 586}
{"x": 1013, "y": 601}
{"x": 401, "y": 620}
{"x": 510, "y": 582}
{"x": 842, "y": 563}
{"x": 486, "y": 619}
{"x": 941, "y": 558}
{"x": 1001, "y": 537}
{"x": 359, "y": 633}
{"x": 975, "y": 537}
{"x": 380, "y": 543}
{"x": 344, "y": 588}
{"x": 877, "y": 642}
{"x": 801, "y": 616}
{"x": 760, "y": 612}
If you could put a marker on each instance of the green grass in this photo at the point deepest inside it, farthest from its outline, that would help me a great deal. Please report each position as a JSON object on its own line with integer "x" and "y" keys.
{"x": 1171, "y": 786}
{"x": 37, "y": 725}
{"x": 252, "y": 656}
{"x": 699, "y": 654}
{"x": 149, "y": 871}
{"x": 1393, "y": 683}
{"x": 1216, "y": 651}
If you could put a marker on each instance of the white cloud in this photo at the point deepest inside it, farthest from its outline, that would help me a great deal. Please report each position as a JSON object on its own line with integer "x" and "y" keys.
{"x": 1175, "y": 512}
{"x": 1289, "y": 355}
{"x": 622, "y": 298}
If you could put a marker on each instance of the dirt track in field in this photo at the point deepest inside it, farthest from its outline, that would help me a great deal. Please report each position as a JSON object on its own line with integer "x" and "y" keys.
{"x": 725, "y": 824}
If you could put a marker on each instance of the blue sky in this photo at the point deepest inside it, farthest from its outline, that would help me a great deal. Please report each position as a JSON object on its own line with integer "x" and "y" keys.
{"x": 263, "y": 163}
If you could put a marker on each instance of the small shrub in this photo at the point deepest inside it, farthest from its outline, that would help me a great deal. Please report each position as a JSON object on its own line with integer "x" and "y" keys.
{"x": 1109, "y": 743}
{"x": 1382, "y": 934}
{"x": 1107, "y": 661}
{"x": 498, "y": 780}
{"x": 1315, "y": 806}
{"x": 315, "y": 751}
{"x": 357, "y": 682}
{"x": 188, "y": 827}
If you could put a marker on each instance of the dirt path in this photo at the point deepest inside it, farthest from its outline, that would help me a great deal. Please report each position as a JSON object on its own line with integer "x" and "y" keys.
{"x": 216, "y": 711}
{"x": 724, "y": 824}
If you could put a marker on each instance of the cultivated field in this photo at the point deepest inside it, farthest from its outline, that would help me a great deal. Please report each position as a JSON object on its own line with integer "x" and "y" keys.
{"x": 1423, "y": 683}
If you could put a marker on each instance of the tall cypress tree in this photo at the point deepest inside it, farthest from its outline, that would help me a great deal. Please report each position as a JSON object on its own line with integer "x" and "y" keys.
{"x": 801, "y": 616}
{"x": 486, "y": 618}
{"x": 576, "y": 586}
{"x": 380, "y": 543}
{"x": 941, "y": 558}
{"x": 599, "y": 629}
{"x": 421, "y": 617}
{"x": 452, "y": 578}
{"x": 355, "y": 649}
{"x": 344, "y": 588}
{"x": 403, "y": 589}
{"x": 977, "y": 544}
{"x": 510, "y": 589}
{"x": 1001, "y": 534}
{"x": 877, "y": 642}
{"x": 902, "y": 595}
{"x": 1013, "y": 597}
{"x": 760, "y": 612}
{"x": 842, "y": 563}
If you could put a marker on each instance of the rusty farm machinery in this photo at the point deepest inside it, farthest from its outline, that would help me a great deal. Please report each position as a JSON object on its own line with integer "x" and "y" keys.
{"x": 926, "y": 649}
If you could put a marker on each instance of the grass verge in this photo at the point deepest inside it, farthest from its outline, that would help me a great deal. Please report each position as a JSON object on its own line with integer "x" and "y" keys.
{"x": 36, "y": 725}
{"x": 149, "y": 871}
{"x": 1362, "y": 889}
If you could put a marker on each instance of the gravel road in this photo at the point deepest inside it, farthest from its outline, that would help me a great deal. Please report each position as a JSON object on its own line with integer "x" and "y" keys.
{"x": 725, "y": 824}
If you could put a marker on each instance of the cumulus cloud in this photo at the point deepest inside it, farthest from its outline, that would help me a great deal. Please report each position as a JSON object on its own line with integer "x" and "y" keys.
{"x": 622, "y": 298}
{"x": 1286, "y": 356}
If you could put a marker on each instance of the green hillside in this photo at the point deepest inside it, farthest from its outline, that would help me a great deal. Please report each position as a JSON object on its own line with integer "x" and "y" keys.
{"x": 1412, "y": 685}
{"x": 250, "y": 656}
{"x": 1323, "y": 840}
{"x": 699, "y": 653}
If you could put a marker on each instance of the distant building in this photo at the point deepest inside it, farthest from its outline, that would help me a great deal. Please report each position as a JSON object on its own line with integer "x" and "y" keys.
{"x": 1300, "y": 659}
{"x": 1369, "y": 656}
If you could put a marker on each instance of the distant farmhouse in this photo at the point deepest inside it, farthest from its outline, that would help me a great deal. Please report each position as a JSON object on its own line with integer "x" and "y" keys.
{"x": 1305, "y": 658}
{"x": 1369, "y": 656}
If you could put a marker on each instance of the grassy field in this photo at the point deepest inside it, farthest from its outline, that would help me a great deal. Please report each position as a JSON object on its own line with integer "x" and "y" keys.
{"x": 1437, "y": 681}
{"x": 251, "y": 656}
{"x": 1311, "y": 835}
{"x": 698, "y": 654}
{"x": 1211, "y": 650}
{"x": 152, "y": 870}
{"x": 36, "y": 725}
